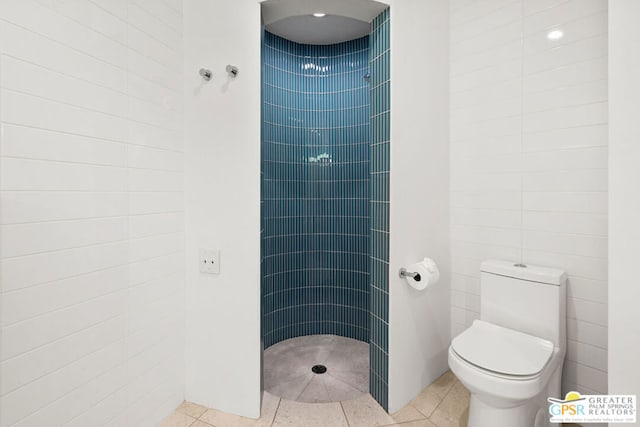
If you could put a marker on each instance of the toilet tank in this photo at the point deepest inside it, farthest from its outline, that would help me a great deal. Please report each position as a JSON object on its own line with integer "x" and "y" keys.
{"x": 527, "y": 298}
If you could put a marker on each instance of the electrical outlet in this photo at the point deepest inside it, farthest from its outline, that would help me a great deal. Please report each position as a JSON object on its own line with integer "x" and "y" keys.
{"x": 210, "y": 261}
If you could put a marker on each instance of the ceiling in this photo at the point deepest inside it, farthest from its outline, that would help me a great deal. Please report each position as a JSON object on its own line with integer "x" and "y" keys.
{"x": 344, "y": 20}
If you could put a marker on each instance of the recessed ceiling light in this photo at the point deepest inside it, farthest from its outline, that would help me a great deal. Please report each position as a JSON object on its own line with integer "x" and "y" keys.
{"x": 319, "y": 14}
{"x": 555, "y": 35}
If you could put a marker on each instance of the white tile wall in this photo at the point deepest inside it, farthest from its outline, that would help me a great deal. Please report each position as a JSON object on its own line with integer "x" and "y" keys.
{"x": 529, "y": 158}
{"x": 91, "y": 217}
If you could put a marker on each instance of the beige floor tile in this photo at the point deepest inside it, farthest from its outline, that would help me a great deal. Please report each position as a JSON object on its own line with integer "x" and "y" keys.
{"x": 408, "y": 413}
{"x": 365, "y": 412}
{"x": 223, "y": 419}
{"x": 418, "y": 423}
{"x": 192, "y": 409}
{"x": 452, "y": 408}
{"x": 199, "y": 423}
{"x": 297, "y": 414}
{"x": 426, "y": 402}
{"x": 442, "y": 385}
{"x": 177, "y": 419}
{"x": 270, "y": 405}
{"x": 464, "y": 418}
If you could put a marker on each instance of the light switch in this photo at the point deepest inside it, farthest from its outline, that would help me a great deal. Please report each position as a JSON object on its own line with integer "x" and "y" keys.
{"x": 210, "y": 261}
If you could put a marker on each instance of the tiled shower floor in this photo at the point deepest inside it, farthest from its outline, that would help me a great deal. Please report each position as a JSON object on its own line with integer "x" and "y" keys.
{"x": 287, "y": 369}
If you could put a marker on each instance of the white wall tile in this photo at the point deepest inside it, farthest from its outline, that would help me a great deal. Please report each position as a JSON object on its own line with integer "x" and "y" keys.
{"x": 30, "y": 302}
{"x": 163, "y": 12}
{"x": 46, "y": 390}
{"x": 155, "y": 28}
{"x": 18, "y": 273}
{"x": 29, "y": 110}
{"x": 562, "y": 180}
{"x": 587, "y": 289}
{"x": 582, "y": 375}
{"x": 29, "y": 46}
{"x": 91, "y": 15}
{"x": 529, "y": 158}
{"x": 580, "y": 158}
{"x": 587, "y": 202}
{"x": 566, "y": 96}
{"x": 624, "y": 198}
{"x": 33, "y": 16}
{"x": 20, "y": 371}
{"x": 32, "y": 143}
{"x": 26, "y": 77}
{"x": 33, "y": 206}
{"x": 505, "y": 14}
{"x": 39, "y": 175}
{"x": 117, "y": 8}
{"x": 586, "y": 136}
{"x": 561, "y": 222}
{"x": 587, "y": 333}
{"x": 32, "y": 238}
{"x": 559, "y": 12}
{"x": 92, "y": 241}
{"x": 490, "y": 235}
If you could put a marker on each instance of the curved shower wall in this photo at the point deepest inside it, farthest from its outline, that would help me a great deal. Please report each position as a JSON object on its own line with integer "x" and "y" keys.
{"x": 315, "y": 189}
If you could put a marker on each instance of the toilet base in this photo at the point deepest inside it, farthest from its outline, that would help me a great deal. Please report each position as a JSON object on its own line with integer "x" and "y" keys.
{"x": 530, "y": 414}
{"x": 483, "y": 415}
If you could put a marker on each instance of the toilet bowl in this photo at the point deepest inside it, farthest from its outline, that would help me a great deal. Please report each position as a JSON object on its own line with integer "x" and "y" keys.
{"x": 511, "y": 358}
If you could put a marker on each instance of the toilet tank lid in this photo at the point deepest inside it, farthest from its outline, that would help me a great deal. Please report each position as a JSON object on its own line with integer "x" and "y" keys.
{"x": 533, "y": 273}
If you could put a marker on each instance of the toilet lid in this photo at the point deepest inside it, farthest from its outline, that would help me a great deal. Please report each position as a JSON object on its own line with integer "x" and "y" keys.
{"x": 502, "y": 350}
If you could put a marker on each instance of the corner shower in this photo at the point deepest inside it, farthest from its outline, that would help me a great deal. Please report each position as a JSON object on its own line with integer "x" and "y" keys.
{"x": 325, "y": 211}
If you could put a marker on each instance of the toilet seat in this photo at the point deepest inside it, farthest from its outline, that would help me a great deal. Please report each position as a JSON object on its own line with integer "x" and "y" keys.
{"x": 503, "y": 352}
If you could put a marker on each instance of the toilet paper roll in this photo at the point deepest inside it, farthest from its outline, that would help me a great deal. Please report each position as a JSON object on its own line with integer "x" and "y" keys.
{"x": 428, "y": 271}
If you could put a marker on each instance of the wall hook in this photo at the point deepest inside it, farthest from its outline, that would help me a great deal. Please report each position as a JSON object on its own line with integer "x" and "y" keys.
{"x": 206, "y": 74}
{"x": 232, "y": 70}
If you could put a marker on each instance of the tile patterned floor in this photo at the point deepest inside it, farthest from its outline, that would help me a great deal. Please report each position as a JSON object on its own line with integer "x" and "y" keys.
{"x": 443, "y": 404}
{"x": 287, "y": 369}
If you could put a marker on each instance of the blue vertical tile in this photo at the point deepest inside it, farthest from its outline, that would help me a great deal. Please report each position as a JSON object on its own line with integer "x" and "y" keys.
{"x": 315, "y": 189}
{"x": 379, "y": 202}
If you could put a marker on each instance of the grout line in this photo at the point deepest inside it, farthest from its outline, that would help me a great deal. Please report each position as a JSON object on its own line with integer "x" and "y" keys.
{"x": 522, "y": 131}
{"x": 93, "y": 110}
{"x": 275, "y": 414}
{"x": 344, "y": 414}
{"x": 94, "y": 164}
{"x": 123, "y": 142}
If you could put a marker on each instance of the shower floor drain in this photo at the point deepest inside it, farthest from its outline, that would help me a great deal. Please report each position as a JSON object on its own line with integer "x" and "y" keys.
{"x": 319, "y": 369}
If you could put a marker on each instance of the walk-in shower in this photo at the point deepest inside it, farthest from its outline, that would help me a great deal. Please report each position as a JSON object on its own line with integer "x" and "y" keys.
{"x": 325, "y": 204}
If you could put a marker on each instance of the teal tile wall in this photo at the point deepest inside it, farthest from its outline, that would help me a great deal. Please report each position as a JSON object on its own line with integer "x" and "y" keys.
{"x": 380, "y": 107}
{"x": 315, "y": 189}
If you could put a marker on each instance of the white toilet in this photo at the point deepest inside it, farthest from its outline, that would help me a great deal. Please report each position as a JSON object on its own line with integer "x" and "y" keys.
{"x": 511, "y": 359}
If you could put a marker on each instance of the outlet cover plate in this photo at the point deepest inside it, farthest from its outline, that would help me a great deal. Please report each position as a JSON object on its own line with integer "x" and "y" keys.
{"x": 209, "y": 261}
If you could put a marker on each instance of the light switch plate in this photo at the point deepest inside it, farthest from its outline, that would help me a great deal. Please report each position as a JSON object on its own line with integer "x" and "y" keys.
{"x": 209, "y": 261}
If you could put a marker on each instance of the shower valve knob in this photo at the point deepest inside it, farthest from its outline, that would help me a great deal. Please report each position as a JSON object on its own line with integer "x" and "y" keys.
{"x": 206, "y": 74}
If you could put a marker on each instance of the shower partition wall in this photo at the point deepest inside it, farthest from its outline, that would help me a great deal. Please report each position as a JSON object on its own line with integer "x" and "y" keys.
{"x": 380, "y": 53}
{"x": 315, "y": 189}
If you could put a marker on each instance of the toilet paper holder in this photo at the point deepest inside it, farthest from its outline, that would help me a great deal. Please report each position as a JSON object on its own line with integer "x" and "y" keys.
{"x": 404, "y": 273}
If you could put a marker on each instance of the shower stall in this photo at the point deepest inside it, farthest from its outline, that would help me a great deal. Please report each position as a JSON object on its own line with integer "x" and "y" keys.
{"x": 325, "y": 215}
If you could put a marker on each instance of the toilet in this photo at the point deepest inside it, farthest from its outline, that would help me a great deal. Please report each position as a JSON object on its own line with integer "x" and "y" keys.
{"x": 511, "y": 358}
